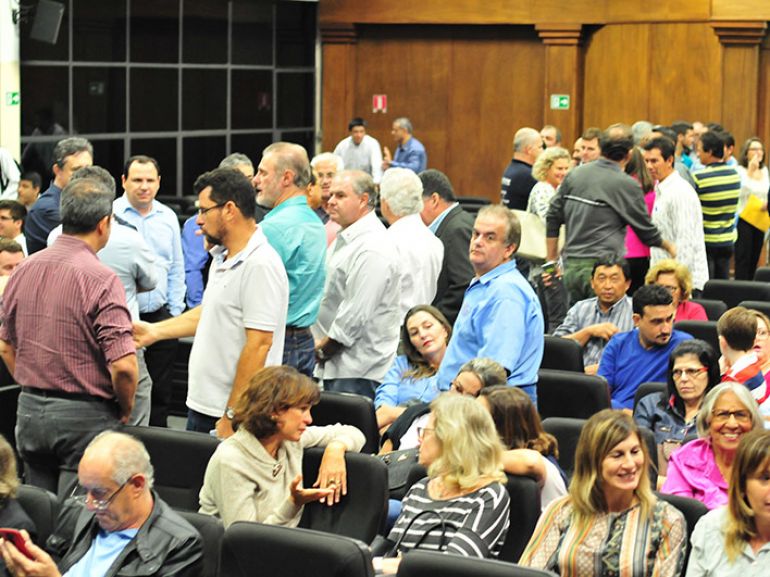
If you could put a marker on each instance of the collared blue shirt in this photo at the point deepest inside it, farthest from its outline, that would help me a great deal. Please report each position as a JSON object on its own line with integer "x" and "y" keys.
{"x": 440, "y": 218}
{"x": 500, "y": 319}
{"x": 298, "y": 236}
{"x": 105, "y": 548}
{"x": 411, "y": 155}
{"x": 43, "y": 217}
{"x": 195, "y": 259}
{"x": 160, "y": 228}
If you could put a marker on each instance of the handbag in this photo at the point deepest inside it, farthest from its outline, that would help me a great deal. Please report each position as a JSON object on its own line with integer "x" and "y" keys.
{"x": 441, "y": 523}
{"x": 532, "y": 244}
{"x": 399, "y": 464}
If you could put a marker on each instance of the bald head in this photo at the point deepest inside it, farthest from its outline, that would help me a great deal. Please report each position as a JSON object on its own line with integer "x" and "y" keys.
{"x": 125, "y": 453}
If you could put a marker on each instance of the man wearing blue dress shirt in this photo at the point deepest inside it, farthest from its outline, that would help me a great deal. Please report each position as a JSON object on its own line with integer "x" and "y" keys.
{"x": 410, "y": 152}
{"x": 500, "y": 318}
{"x": 159, "y": 226}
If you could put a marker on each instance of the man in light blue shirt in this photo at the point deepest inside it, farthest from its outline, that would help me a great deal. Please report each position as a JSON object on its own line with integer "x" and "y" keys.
{"x": 159, "y": 226}
{"x": 298, "y": 236}
{"x": 410, "y": 152}
{"x": 500, "y": 318}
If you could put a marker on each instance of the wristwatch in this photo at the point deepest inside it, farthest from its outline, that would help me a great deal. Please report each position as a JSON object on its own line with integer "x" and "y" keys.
{"x": 230, "y": 413}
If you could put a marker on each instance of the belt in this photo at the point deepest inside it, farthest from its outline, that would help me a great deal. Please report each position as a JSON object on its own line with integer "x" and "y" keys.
{"x": 50, "y": 394}
{"x": 297, "y": 330}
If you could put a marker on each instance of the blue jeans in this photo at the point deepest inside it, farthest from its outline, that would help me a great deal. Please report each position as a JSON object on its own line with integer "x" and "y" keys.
{"x": 52, "y": 434}
{"x": 199, "y": 422}
{"x": 298, "y": 350}
{"x": 365, "y": 387}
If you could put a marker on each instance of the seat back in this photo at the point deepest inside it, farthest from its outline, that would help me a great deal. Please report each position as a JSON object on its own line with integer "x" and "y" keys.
{"x": 648, "y": 389}
{"x": 703, "y": 330}
{"x": 567, "y": 432}
{"x": 362, "y": 512}
{"x": 255, "y": 549}
{"x": 570, "y": 394}
{"x": 349, "y": 409}
{"x": 434, "y": 564}
{"x": 714, "y": 308}
{"x": 9, "y": 399}
{"x": 212, "y": 531}
{"x": 763, "y": 307}
{"x": 562, "y": 354}
{"x": 180, "y": 459}
{"x": 733, "y": 292}
{"x": 42, "y": 507}
{"x": 762, "y": 274}
{"x": 692, "y": 510}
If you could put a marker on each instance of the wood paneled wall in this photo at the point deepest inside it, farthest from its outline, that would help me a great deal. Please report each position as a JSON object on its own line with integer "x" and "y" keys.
{"x": 466, "y": 91}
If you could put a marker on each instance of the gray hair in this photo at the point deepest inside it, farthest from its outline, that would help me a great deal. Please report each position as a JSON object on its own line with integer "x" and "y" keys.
{"x": 235, "y": 160}
{"x": 96, "y": 173}
{"x": 640, "y": 130}
{"x": 293, "y": 157}
{"x": 703, "y": 421}
{"x": 129, "y": 457}
{"x": 328, "y": 157}
{"x": 546, "y": 159}
{"x": 512, "y": 224}
{"x": 361, "y": 183}
{"x": 84, "y": 202}
{"x": 402, "y": 189}
{"x": 489, "y": 372}
{"x": 525, "y": 137}
{"x": 405, "y": 123}
{"x": 70, "y": 146}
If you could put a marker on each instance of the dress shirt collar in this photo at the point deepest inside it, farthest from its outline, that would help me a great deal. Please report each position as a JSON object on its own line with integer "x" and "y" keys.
{"x": 440, "y": 218}
{"x": 125, "y": 206}
{"x": 298, "y": 200}
{"x": 74, "y": 244}
{"x": 670, "y": 182}
{"x": 363, "y": 225}
{"x": 220, "y": 252}
{"x": 496, "y": 272}
{"x": 612, "y": 307}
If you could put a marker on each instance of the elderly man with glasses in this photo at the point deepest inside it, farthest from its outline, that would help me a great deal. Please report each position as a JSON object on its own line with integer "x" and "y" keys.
{"x": 123, "y": 527}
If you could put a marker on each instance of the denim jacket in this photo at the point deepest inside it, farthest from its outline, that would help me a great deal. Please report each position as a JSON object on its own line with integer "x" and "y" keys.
{"x": 664, "y": 420}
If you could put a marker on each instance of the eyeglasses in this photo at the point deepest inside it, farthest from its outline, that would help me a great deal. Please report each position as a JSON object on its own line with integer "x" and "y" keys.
{"x": 691, "y": 372}
{"x": 724, "y": 416}
{"x": 422, "y": 430}
{"x": 7, "y": 218}
{"x": 80, "y": 495}
{"x": 671, "y": 289}
{"x": 202, "y": 211}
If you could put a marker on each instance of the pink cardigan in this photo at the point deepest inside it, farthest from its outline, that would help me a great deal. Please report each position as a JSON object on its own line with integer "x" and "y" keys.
{"x": 635, "y": 248}
{"x": 693, "y": 472}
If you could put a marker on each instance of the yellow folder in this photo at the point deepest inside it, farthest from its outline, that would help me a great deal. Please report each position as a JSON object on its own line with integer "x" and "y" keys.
{"x": 755, "y": 215}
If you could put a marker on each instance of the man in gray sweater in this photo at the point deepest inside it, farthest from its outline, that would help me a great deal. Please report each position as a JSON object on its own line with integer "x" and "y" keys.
{"x": 596, "y": 202}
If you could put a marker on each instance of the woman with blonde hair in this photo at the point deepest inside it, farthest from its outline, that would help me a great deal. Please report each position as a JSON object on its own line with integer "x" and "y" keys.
{"x": 610, "y": 523}
{"x": 734, "y": 540}
{"x": 549, "y": 170}
{"x": 676, "y": 278}
{"x": 462, "y": 506}
{"x": 256, "y": 474}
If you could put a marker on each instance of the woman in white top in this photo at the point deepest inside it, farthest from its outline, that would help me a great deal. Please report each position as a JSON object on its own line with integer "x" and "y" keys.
{"x": 734, "y": 541}
{"x": 529, "y": 449}
{"x": 755, "y": 181}
{"x": 549, "y": 170}
{"x": 256, "y": 474}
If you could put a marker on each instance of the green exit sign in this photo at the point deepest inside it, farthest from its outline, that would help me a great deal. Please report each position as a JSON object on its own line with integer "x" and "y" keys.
{"x": 559, "y": 101}
{"x": 12, "y": 98}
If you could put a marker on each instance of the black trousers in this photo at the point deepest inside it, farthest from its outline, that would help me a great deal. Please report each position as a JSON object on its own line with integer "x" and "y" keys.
{"x": 747, "y": 250}
{"x": 718, "y": 259}
{"x": 160, "y": 359}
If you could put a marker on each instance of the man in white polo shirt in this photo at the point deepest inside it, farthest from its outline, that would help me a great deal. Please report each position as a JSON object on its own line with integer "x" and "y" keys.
{"x": 239, "y": 326}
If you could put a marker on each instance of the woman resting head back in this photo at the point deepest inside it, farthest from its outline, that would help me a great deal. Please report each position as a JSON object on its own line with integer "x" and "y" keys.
{"x": 478, "y": 374}
{"x": 424, "y": 336}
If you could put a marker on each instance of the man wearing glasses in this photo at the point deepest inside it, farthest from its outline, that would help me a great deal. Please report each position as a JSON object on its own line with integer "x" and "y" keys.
{"x": 123, "y": 527}
{"x": 239, "y": 326}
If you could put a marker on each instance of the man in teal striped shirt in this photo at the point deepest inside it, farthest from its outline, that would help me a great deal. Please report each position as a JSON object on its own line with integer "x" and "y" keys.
{"x": 718, "y": 187}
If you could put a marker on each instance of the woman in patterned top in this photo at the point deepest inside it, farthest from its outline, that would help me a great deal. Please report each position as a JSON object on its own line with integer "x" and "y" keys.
{"x": 463, "y": 490}
{"x": 610, "y": 523}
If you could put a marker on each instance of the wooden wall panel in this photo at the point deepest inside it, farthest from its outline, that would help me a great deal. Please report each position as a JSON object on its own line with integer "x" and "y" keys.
{"x": 518, "y": 11}
{"x": 740, "y": 83}
{"x": 740, "y": 9}
{"x": 466, "y": 90}
{"x": 763, "y": 91}
{"x": 617, "y": 80}
{"x": 680, "y": 90}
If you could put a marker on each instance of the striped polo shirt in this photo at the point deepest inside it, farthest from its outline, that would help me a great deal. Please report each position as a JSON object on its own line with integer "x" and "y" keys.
{"x": 718, "y": 187}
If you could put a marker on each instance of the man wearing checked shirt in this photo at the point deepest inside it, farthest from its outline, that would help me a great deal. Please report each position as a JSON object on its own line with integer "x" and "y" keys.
{"x": 159, "y": 226}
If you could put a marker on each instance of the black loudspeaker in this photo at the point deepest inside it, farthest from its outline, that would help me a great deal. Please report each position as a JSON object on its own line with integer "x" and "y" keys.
{"x": 47, "y": 22}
